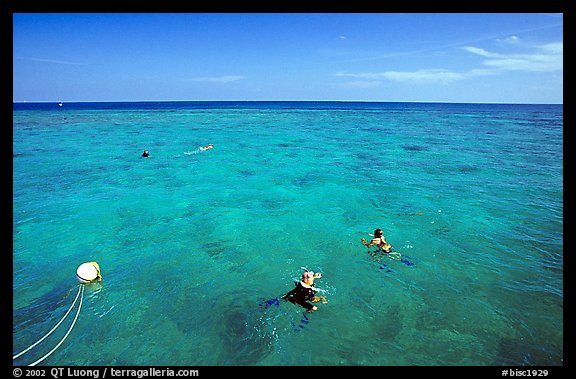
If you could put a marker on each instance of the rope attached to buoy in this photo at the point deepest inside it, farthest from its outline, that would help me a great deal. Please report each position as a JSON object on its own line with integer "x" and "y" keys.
{"x": 87, "y": 273}
{"x": 53, "y": 329}
{"x": 65, "y": 336}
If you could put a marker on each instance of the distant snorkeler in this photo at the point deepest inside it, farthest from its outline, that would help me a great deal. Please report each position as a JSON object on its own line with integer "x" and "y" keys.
{"x": 199, "y": 149}
{"x": 145, "y": 154}
{"x": 306, "y": 292}
{"x": 379, "y": 241}
{"x": 384, "y": 248}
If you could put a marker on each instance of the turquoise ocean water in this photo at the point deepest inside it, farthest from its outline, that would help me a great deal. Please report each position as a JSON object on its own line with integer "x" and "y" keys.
{"x": 194, "y": 245}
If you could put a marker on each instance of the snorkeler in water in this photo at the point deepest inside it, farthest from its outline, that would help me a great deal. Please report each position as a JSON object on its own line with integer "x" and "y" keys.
{"x": 384, "y": 248}
{"x": 199, "y": 149}
{"x": 305, "y": 292}
{"x": 145, "y": 154}
{"x": 378, "y": 240}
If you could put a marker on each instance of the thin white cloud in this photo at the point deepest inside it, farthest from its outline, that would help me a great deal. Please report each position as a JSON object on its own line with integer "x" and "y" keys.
{"x": 509, "y": 40}
{"x": 372, "y": 56}
{"x": 218, "y": 79}
{"x": 482, "y": 52}
{"x": 44, "y": 60}
{"x": 549, "y": 57}
{"x": 419, "y": 76}
{"x": 554, "y": 47}
{"x": 428, "y": 76}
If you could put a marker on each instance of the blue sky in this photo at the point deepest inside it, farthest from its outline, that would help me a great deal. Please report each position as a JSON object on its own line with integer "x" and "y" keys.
{"x": 415, "y": 57}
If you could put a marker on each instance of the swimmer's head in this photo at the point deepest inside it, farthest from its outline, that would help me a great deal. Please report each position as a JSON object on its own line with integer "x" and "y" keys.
{"x": 308, "y": 275}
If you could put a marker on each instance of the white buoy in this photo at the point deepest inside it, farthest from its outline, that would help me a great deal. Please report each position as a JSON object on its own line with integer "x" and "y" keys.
{"x": 88, "y": 272}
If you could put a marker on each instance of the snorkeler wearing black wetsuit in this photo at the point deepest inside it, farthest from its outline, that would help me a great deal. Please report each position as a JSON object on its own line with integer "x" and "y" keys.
{"x": 305, "y": 292}
{"x": 301, "y": 296}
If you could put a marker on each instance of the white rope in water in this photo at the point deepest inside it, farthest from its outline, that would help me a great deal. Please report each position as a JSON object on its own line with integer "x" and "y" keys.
{"x": 54, "y": 328}
{"x": 65, "y": 336}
